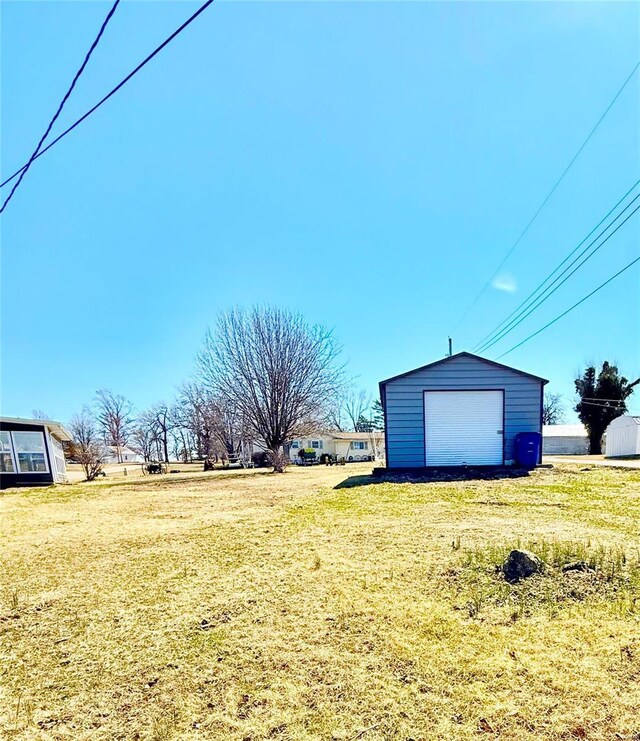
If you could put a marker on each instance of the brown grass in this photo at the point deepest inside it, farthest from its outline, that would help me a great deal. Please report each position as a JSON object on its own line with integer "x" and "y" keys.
{"x": 246, "y": 605}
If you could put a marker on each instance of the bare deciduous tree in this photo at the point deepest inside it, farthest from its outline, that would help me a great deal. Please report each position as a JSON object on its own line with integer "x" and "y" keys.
{"x": 349, "y": 411}
{"x": 229, "y": 428}
{"x": 198, "y": 418}
{"x": 274, "y": 369}
{"x": 552, "y": 409}
{"x": 114, "y": 415}
{"x": 39, "y": 414}
{"x": 162, "y": 418}
{"x": 184, "y": 439}
{"x": 143, "y": 438}
{"x": 88, "y": 447}
{"x": 356, "y": 404}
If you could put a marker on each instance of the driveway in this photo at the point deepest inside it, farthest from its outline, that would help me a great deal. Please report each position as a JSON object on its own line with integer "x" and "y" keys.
{"x": 593, "y": 460}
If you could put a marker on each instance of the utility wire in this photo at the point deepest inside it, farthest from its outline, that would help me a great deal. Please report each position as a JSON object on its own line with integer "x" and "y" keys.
{"x": 488, "y": 337}
{"x": 543, "y": 298}
{"x": 117, "y": 87}
{"x": 25, "y": 169}
{"x": 549, "y": 291}
{"x": 571, "y": 308}
{"x": 607, "y": 402}
{"x": 547, "y": 197}
{"x": 599, "y": 398}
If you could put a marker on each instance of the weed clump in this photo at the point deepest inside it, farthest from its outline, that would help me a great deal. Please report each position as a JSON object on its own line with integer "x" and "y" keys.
{"x": 573, "y": 572}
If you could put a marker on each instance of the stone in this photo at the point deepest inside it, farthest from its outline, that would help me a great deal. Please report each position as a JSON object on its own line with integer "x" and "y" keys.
{"x": 576, "y": 566}
{"x": 521, "y": 564}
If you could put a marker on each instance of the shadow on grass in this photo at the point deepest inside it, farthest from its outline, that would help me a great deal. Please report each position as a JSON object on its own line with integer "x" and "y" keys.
{"x": 426, "y": 476}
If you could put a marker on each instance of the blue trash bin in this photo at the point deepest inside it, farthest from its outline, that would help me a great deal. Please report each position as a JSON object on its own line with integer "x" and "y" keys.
{"x": 528, "y": 446}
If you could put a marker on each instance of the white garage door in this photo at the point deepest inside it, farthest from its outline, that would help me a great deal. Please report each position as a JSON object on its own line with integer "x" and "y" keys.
{"x": 463, "y": 428}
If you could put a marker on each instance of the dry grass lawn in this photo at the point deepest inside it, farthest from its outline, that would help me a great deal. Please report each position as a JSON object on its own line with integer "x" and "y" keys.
{"x": 246, "y": 605}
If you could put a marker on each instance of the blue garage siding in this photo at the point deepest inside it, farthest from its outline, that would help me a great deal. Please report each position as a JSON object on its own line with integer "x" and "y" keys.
{"x": 403, "y": 398}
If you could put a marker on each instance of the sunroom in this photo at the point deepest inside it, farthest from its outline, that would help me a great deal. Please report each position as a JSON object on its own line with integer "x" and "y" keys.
{"x": 31, "y": 452}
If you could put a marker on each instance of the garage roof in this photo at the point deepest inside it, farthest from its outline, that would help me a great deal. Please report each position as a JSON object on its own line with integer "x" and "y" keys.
{"x": 463, "y": 355}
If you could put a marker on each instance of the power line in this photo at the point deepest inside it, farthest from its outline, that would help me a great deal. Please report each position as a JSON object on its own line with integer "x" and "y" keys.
{"x": 571, "y": 308}
{"x": 25, "y": 169}
{"x": 547, "y": 293}
{"x": 123, "y": 82}
{"x": 606, "y": 403}
{"x": 488, "y": 337}
{"x": 544, "y": 298}
{"x": 547, "y": 197}
{"x": 599, "y": 398}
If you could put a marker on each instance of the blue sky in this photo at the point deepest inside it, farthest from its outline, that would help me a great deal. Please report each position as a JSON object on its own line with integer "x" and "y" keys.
{"x": 367, "y": 164}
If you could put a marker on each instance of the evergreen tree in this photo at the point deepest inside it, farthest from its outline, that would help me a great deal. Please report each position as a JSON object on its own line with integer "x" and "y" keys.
{"x": 378, "y": 415}
{"x": 602, "y": 399}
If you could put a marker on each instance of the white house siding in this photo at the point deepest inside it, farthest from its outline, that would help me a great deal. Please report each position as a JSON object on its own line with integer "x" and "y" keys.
{"x": 565, "y": 440}
{"x": 404, "y": 404}
{"x": 344, "y": 450}
{"x": 340, "y": 446}
{"x": 127, "y": 455}
{"x": 565, "y": 446}
{"x": 321, "y": 444}
{"x": 623, "y": 437}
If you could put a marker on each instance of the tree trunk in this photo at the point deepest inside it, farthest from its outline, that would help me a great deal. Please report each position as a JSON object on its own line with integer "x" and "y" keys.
{"x": 277, "y": 459}
{"x": 595, "y": 443}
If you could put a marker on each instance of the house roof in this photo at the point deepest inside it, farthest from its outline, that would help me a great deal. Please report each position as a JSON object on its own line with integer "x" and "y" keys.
{"x": 462, "y": 355}
{"x": 123, "y": 449}
{"x": 564, "y": 431}
{"x": 355, "y": 435}
{"x": 58, "y": 429}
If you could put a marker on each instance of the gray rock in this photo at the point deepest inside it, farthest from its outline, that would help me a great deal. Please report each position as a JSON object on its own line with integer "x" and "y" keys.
{"x": 576, "y": 566}
{"x": 520, "y": 565}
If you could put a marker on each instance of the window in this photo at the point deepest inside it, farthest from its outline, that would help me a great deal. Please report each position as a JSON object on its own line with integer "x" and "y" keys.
{"x": 359, "y": 445}
{"x": 29, "y": 447}
{"x": 317, "y": 444}
{"x": 6, "y": 454}
{"x": 295, "y": 444}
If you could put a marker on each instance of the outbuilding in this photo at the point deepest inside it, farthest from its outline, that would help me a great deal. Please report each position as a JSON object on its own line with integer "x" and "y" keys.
{"x": 123, "y": 454}
{"x": 565, "y": 440}
{"x": 462, "y": 410}
{"x": 623, "y": 437}
{"x": 31, "y": 452}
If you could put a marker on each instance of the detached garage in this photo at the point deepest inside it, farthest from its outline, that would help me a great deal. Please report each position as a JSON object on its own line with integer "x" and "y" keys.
{"x": 623, "y": 437}
{"x": 459, "y": 411}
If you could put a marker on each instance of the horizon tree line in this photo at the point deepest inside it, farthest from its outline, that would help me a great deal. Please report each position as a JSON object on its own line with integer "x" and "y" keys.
{"x": 265, "y": 375}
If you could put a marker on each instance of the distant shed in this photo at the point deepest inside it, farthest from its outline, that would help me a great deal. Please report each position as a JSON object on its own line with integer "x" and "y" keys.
{"x": 623, "y": 437}
{"x": 565, "y": 440}
{"x": 462, "y": 410}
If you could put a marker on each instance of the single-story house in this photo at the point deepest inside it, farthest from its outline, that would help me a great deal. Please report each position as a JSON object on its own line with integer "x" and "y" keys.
{"x": 565, "y": 440}
{"x": 623, "y": 437}
{"x": 352, "y": 446}
{"x": 127, "y": 455}
{"x": 31, "y": 452}
{"x": 462, "y": 410}
{"x": 359, "y": 446}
